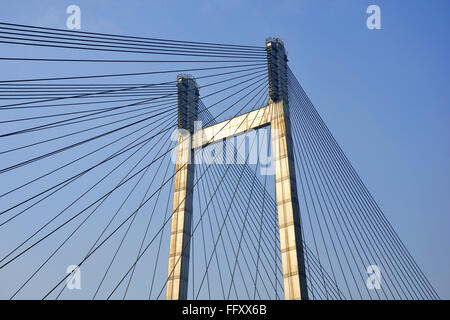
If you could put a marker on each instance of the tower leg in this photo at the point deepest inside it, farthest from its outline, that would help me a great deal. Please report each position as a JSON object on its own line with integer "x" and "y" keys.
{"x": 180, "y": 235}
{"x": 291, "y": 243}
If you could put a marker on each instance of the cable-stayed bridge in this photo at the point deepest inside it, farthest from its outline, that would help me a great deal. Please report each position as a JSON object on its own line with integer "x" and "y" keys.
{"x": 173, "y": 169}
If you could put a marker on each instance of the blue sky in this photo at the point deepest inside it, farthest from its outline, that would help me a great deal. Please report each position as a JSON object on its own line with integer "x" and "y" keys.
{"x": 383, "y": 93}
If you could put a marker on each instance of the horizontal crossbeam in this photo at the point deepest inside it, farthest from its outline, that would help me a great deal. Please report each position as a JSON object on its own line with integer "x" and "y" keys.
{"x": 226, "y": 129}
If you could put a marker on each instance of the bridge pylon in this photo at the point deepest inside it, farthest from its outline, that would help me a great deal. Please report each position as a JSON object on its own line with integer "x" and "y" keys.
{"x": 275, "y": 114}
{"x": 291, "y": 242}
{"x": 177, "y": 283}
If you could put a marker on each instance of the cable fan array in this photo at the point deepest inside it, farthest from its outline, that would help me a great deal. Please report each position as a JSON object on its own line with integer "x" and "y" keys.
{"x": 343, "y": 225}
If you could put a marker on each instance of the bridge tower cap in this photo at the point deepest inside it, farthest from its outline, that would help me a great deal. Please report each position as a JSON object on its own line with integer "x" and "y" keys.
{"x": 271, "y": 40}
{"x": 274, "y": 42}
{"x": 183, "y": 76}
